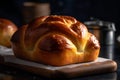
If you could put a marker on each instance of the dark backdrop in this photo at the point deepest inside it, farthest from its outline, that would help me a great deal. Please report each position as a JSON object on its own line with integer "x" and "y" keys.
{"x": 107, "y": 10}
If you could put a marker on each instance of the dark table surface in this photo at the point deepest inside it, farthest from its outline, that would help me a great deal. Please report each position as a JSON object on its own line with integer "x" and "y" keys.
{"x": 109, "y": 51}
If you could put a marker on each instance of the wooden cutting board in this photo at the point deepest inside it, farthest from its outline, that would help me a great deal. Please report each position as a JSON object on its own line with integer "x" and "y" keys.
{"x": 101, "y": 65}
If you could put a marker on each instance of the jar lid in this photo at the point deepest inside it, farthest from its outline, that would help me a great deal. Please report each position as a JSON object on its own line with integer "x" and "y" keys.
{"x": 103, "y": 25}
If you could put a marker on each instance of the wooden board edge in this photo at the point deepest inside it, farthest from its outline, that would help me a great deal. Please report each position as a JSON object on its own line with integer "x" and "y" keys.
{"x": 104, "y": 67}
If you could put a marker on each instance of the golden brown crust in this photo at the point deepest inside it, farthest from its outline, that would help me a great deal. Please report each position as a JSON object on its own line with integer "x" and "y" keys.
{"x": 7, "y": 29}
{"x": 55, "y": 40}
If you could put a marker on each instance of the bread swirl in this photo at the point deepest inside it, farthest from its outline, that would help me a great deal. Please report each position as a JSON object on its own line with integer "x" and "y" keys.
{"x": 55, "y": 40}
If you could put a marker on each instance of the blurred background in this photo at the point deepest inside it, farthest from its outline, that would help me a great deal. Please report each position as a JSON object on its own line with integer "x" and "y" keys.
{"x": 22, "y": 11}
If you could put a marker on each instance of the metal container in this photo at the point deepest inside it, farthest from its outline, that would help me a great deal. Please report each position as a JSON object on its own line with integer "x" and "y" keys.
{"x": 103, "y": 30}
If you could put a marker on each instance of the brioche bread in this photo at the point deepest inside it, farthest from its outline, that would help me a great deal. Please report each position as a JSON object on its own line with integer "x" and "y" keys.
{"x": 7, "y": 29}
{"x": 55, "y": 40}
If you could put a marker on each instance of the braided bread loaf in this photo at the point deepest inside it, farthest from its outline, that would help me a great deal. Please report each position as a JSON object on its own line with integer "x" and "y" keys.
{"x": 55, "y": 40}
